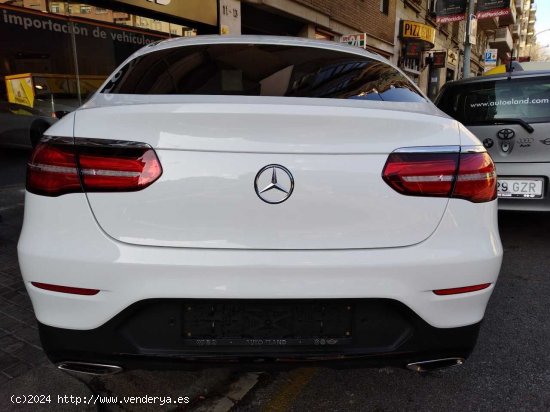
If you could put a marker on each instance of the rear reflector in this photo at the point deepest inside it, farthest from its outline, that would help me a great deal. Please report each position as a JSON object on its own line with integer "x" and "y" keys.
{"x": 59, "y": 166}
{"x": 469, "y": 176}
{"x": 65, "y": 289}
{"x": 465, "y": 289}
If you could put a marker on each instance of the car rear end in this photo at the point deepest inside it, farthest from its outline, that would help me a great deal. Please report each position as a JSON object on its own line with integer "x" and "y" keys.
{"x": 154, "y": 234}
{"x": 510, "y": 114}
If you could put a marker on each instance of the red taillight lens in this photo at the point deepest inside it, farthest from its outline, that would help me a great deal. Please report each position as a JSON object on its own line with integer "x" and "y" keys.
{"x": 52, "y": 169}
{"x": 477, "y": 179}
{"x": 421, "y": 174}
{"x": 59, "y": 166}
{"x": 121, "y": 171}
{"x": 469, "y": 176}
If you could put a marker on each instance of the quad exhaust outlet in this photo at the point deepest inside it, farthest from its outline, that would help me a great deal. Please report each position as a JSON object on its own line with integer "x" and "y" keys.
{"x": 89, "y": 368}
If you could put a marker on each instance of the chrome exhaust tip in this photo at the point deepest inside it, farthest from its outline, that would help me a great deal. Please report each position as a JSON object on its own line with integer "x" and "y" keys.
{"x": 434, "y": 364}
{"x": 88, "y": 368}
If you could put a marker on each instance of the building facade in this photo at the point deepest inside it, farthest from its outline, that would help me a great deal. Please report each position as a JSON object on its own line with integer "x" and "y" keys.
{"x": 324, "y": 19}
{"x": 70, "y": 39}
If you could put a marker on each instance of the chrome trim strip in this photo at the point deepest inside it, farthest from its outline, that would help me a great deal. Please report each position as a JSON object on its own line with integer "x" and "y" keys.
{"x": 52, "y": 169}
{"x": 111, "y": 143}
{"x": 476, "y": 176}
{"x": 428, "y": 149}
{"x": 419, "y": 179}
{"x": 102, "y": 369}
{"x": 425, "y": 366}
{"x": 473, "y": 149}
{"x": 109, "y": 173}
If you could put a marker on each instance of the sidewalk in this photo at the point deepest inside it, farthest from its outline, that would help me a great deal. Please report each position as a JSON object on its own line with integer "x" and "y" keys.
{"x": 20, "y": 349}
{"x": 25, "y": 370}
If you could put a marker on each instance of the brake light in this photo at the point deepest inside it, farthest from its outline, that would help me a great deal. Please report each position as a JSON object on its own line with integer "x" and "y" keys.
{"x": 467, "y": 175}
{"x": 59, "y": 166}
{"x": 477, "y": 178}
{"x": 421, "y": 174}
{"x": 52, "y": 169}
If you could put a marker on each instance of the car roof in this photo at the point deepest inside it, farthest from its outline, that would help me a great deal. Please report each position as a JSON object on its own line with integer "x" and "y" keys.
{"x": 500, "y": 76}
{"x": 254, "y": 39}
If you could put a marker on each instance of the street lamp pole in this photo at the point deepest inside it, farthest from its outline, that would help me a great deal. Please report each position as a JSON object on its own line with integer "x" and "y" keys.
{"x": 467, "y": 44}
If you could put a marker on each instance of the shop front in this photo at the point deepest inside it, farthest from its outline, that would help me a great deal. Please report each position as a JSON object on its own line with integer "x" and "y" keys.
{"x": 53, "y": 54}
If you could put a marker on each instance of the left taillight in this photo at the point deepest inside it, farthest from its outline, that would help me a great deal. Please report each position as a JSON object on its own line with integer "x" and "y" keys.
{"x": 52, "y": 169}
{"x": 62, "y": 165}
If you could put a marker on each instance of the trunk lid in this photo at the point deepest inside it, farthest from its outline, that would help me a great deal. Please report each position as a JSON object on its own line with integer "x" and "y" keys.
{"x": 211, "y": 154}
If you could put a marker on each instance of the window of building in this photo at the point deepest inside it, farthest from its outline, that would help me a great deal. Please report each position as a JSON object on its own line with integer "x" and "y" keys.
{"x": 55, "y": 8}
{"x": 85, "y": 9}
{"x": 99, "y": 10}
{"x": 34, "y": 6}
{"x": 455, "y": 29}
{"x": 323, "y": 35}
{"x": 385, "y": 6}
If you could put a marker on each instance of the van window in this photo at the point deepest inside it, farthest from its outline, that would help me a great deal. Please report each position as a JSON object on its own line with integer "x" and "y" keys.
{"x": 483, "y": 102}
{"x": 262, "y": 70}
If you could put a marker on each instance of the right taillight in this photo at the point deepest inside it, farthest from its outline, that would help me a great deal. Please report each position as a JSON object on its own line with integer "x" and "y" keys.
{"x": 477, "y": 178}
{"x": 61, "y": 165}
{"x": 468, "y": 175}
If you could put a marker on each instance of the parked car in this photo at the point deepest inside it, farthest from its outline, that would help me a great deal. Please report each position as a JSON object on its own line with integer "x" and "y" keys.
{"x": 516, "y": 66}
{"x": 21, "y": 126}
{"x": 510, "y": 113}
{"x": 259, "y": 199}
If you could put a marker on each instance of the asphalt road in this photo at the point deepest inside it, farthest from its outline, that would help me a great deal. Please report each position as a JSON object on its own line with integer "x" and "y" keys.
{"x": 508, "y": 371}
{"x": 12, "y": 166}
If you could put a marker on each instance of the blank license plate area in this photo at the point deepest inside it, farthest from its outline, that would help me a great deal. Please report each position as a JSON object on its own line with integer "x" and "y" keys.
{"x": 520, "y": 188}
{"x": 267, "y": 323}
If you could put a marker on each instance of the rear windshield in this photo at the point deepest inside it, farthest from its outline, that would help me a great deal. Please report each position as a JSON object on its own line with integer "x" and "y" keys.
{"x": 483, "y": 102}
{"x": 262, "y": 70}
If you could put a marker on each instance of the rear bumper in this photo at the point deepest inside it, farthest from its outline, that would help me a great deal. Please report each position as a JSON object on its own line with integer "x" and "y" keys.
{"x": 154, "y": 334}
{"x": 61, "y": 244}
{"x": 526, "y": 170}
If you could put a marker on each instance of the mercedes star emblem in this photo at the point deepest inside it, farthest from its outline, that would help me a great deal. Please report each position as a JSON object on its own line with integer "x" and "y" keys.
{"x": 274, "y": 184}
{"x": 506, "y": 134}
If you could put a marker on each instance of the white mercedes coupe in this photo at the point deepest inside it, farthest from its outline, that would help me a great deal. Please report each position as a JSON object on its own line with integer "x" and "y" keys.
{"x": 258, "y": 199}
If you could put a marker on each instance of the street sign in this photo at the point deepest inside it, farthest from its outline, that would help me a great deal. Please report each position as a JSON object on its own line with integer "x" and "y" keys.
{"x": 356, "y": 39}
{"x": 490, "y": 58}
